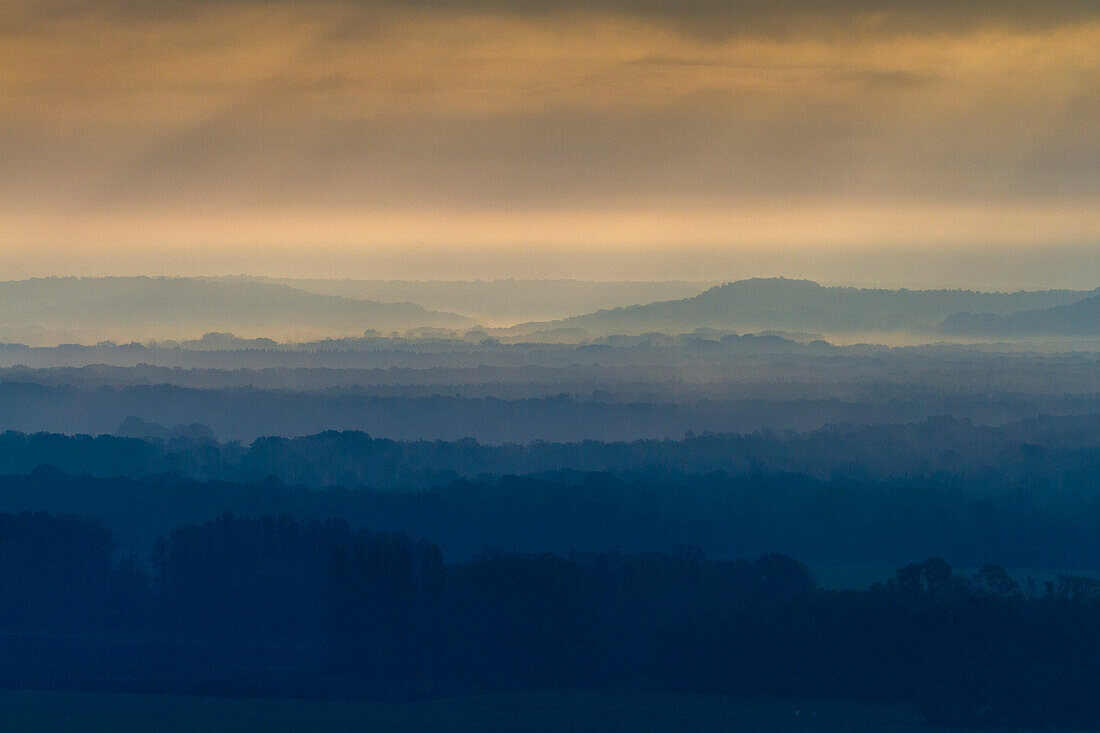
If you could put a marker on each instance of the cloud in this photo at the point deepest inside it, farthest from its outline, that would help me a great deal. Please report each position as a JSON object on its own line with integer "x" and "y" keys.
{"x": 328, "y": 106}
{"x": 711, "y": 18}
{"x": 887, "y": 79}
{"x": 702, "y": 154}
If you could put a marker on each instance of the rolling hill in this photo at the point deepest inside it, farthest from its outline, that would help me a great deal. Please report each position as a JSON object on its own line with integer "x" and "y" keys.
{"x": 124, "y": 308}
{"x": 1080, "y": 319}
{"x": 508, "y": 301}
{"x": 802, "y": 305}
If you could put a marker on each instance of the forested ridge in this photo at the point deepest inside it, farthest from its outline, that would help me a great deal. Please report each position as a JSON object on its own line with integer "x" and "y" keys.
{"x": 1045, "y": 451}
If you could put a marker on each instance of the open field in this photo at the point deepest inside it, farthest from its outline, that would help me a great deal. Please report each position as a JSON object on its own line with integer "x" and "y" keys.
{"x": 46, "y": 711}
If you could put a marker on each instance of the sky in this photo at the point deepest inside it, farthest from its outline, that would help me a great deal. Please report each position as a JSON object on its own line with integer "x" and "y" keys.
{"x": 917, "y": 142}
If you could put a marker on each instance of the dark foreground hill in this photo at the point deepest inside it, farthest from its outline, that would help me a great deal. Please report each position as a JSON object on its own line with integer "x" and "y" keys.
{"x": 319, "y": 609}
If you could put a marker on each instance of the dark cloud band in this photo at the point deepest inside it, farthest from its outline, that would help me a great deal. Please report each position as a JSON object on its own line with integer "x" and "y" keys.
{"x": 705, "y": 17}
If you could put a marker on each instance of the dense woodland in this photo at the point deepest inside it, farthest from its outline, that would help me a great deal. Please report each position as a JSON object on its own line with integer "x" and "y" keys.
{"x": 835, "y": 522}
{"x": 291, "y": 568}
{"x": 271, "y": 606}
{"x": 1047, "y": 455}
{"x": 654, "y": 387}
{"x": 703, "y": 513}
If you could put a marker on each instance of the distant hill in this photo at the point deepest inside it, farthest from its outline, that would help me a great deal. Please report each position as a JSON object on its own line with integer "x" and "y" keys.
{"x": 802, "y": 305}
{"x": 125, "y": 308}
{"x": 1076, "y": 319}
{"x": 506, "y": 301}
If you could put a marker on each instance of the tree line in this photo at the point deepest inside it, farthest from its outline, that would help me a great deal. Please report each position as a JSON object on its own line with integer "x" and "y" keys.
{"x": 1048, "y": 454}
{"x": 273, "y": 606}
{"x": 841, "y": 521}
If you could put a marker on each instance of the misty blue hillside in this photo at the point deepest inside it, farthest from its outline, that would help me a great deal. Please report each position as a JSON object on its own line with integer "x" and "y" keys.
{"x": 144, "y": 307}
{"x": 1076, "y": 319}
{"x": 780, "y": 303}
{"x": 504, "y": 301}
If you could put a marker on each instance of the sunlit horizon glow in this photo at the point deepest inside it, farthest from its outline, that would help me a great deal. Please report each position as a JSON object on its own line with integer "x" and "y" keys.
{"x": 607, "y": 140}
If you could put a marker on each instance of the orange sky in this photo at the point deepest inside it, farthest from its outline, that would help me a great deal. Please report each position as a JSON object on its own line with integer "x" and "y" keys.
{"x": 602, "y": 139}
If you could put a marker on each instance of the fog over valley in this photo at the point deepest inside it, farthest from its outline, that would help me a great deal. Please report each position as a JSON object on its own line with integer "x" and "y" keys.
{"x": 618, "y": 366}
{"x": 52, "y": 311}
